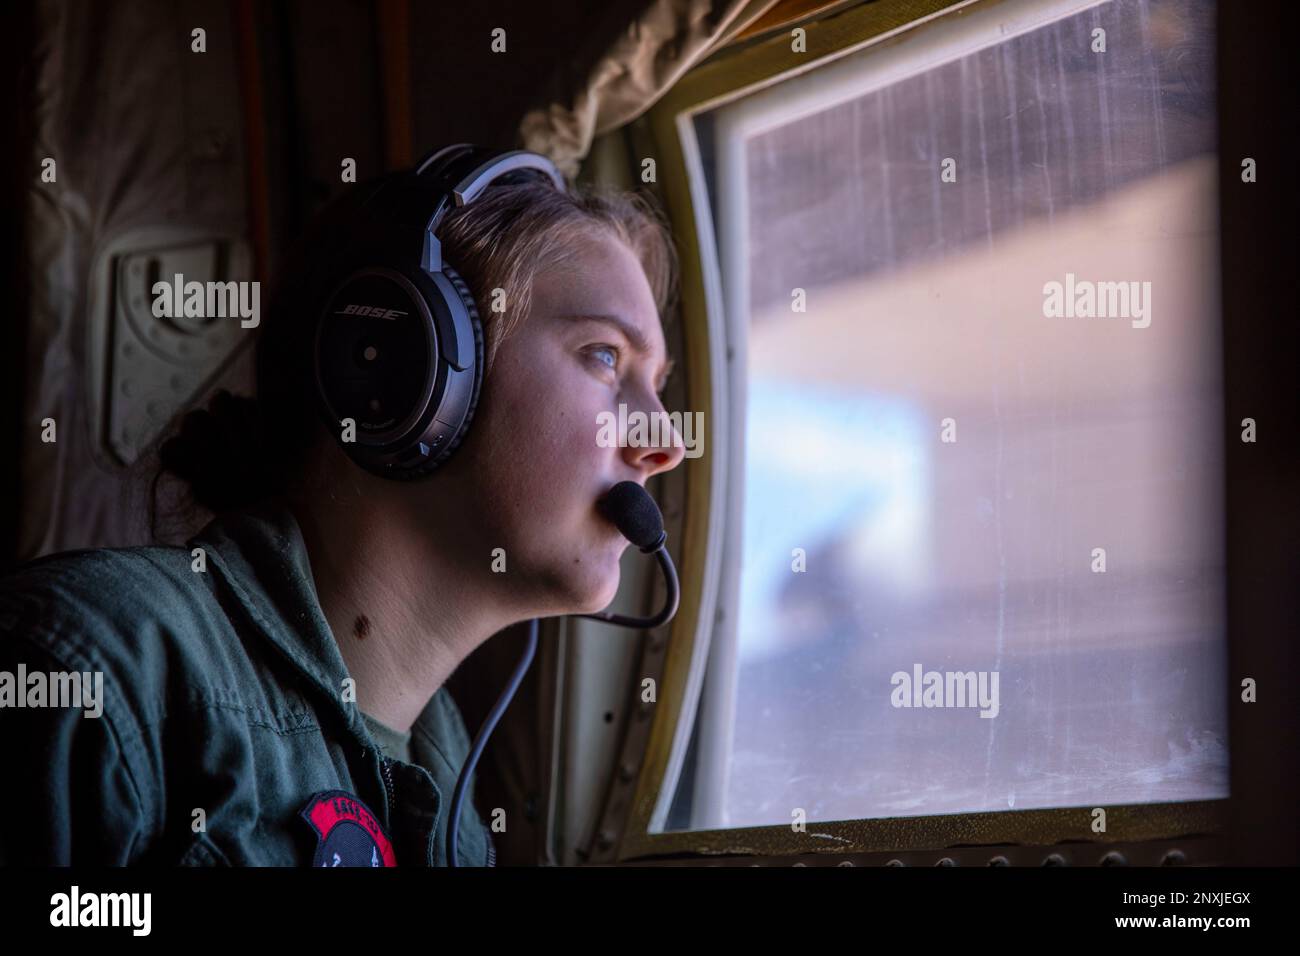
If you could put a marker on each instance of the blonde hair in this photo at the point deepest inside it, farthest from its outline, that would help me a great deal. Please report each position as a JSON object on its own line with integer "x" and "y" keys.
{"x": 511, "y": 233}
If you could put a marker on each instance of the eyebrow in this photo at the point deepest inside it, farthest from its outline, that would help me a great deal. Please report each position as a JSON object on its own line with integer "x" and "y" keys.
{"x": 632, "y": 334}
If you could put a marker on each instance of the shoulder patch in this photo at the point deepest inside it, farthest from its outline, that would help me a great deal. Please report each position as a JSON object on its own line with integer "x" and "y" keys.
{"x": 347, "y": 833}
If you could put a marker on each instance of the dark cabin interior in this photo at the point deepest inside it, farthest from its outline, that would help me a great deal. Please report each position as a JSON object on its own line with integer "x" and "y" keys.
{"x": 214, "y": 164}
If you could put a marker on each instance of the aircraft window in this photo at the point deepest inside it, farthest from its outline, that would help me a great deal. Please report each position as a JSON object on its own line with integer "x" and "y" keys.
{"x": 970, "y": 281}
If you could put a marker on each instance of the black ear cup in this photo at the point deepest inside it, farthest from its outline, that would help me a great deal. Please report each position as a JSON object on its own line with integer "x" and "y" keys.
{"x": 376, "y": 355}
{"x": 399, "y": 345}
{"x": 399, "y": 356}
{"x": 420, "y": 469}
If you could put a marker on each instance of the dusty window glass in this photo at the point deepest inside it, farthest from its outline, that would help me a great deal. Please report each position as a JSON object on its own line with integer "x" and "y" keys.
{"x": 975, "y": 311}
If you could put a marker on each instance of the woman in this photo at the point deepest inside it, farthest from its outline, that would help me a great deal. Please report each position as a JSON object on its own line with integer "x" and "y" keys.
{"x": 270, "y": 691}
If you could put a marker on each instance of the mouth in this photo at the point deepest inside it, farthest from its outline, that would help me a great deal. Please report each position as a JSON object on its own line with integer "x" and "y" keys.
{"x": 608, "y": 528}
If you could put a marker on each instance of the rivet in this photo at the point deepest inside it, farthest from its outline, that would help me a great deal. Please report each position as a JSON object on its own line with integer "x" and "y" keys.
{"x": 895, "y": 863}
{"x": 1054, "y": 859}
{"x": 1174, "y": 858}
{"x": 999, "y": 861}
{"x": 946, "y": 861}
{"x": 1113, "y": 859}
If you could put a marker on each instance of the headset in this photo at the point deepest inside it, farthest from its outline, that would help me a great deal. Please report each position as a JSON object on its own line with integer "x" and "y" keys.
{"x": 399, "y": 344}
{"x": 399, "y": 356}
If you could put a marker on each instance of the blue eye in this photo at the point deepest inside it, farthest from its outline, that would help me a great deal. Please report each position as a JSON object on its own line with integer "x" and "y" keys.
{"x": 613, "y": 353}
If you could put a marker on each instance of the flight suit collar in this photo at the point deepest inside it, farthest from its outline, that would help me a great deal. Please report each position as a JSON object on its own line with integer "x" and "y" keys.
{"x": 260, "y": 553}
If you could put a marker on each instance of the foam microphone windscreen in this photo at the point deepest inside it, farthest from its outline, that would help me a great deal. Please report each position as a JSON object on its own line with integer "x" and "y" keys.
{"x": 634, "y": 513}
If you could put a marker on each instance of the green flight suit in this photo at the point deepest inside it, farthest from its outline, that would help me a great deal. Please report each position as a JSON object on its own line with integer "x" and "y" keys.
{"x": 222, "y": 692}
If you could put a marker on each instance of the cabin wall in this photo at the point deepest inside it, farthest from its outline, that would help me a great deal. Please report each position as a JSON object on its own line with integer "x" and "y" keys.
{"x": 210, "y": 161}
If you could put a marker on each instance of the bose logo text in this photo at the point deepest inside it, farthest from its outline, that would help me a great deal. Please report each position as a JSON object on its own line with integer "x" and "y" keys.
{"x": 371, "y": 310}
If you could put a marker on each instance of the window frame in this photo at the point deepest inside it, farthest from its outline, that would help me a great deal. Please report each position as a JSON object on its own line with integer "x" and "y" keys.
{"x": 711, "y": 504}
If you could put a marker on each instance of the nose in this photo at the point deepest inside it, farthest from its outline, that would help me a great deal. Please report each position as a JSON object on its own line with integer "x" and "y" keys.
{"x": 663, "y": 448}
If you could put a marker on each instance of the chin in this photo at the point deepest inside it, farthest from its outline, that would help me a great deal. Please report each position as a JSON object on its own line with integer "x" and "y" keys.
{"x": 588, "y": 584}
{"x": 602, "y": 598}
{"x": 593, "y": 592}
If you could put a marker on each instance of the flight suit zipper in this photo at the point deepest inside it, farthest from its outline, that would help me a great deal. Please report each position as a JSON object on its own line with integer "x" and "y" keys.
{"x": 391, "y": 806}
{"x": 385, "y": 766}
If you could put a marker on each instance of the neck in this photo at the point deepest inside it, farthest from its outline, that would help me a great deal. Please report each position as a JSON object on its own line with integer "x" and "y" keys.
{"x": 403, "y": 611}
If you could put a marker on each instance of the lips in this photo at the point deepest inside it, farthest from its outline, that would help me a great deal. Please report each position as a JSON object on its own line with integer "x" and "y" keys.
{"x": 599, "y": 515}
{"x": 607, "y": 528}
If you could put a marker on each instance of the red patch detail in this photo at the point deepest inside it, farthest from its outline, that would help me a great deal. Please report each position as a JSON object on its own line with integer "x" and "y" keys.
{"x": 335, "y": 815}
